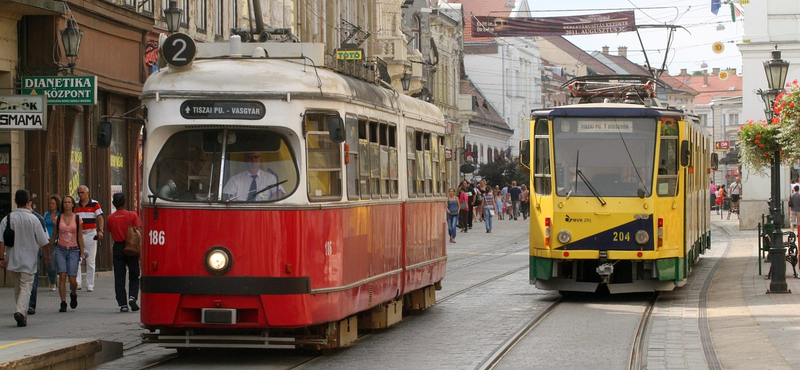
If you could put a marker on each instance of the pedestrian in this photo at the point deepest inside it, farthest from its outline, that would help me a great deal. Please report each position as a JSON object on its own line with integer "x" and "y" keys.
{"x": 35, "y": 286}
{"x": 20, "y": 256}
{"x": 488, "y": 209}
{"x": 504, "y": 197}
{"x": 735, "y": 192}
{"x": 514, "y": 194}
{"x": 713, "y": 189}
{"x": 453, "y": 208}
{"x": 91, "y": 214}
{"x": 118, "y": 223}
{"x": 794, "y": 208}
{"x": 720, "y": 197}
{"x": 463, "y": 209}
{"x": 525, "y": 201}
{"x": 50, "y": 216}
{"x": 68, "y": 242}
{"x": 480, "y": 191}
{"x": 471, "y": 191}
{"x": 498, "y": 200}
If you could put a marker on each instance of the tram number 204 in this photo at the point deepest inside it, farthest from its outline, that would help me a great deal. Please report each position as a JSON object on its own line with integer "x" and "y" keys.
{"x": 621, "y": 236}
{"x": 156, "y": 237}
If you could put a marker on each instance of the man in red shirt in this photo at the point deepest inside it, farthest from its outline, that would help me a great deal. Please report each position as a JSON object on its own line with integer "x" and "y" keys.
{"x": 118, "y": 224}
{"x": 92, "y": 215}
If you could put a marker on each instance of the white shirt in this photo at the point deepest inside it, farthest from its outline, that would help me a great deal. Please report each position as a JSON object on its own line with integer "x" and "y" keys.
{"x": 238, "y": 186}
{"x": 29, "y": 236}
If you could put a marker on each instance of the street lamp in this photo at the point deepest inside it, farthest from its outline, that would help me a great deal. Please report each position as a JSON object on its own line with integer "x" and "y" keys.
{"x": 776, "y": 70}
{"x": 173, "y": 16}
{"x": 71, "y": 39}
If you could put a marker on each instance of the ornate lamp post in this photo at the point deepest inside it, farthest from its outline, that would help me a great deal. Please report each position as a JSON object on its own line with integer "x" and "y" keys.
{"x": 172, "y": 15}
{"x": 71, "y": 39}
{"x": 776, "y": 70}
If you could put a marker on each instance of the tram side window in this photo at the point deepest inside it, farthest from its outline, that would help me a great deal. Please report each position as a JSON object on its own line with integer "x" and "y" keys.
{"x": 436, "y": 164}
{"x": 542, "y": 180}
{"x": 375, "y": 161}
{"x": 424, "y": 173}
{"x": 668, "y": 160}
{"x": 411, "y": 158}
{"x": 324, "y": 160}
{"x": 353, "y": 175}
{"x": 363, "y": 151}
{"x": 390, "y": 164}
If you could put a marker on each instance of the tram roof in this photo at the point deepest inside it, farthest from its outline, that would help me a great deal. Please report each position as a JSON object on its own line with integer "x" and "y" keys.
{"x": 608, "y": 109}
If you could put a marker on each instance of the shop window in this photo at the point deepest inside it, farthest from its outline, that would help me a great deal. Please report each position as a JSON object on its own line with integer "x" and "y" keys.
{"x": 77, "y": 166}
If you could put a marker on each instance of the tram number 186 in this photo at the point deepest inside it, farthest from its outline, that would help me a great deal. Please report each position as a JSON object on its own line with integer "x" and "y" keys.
{"x": 156, "y": 237}
{"x": 622, "y": 236}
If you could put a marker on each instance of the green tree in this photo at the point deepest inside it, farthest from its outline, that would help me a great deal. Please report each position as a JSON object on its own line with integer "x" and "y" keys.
{"x": 502, "y": 172}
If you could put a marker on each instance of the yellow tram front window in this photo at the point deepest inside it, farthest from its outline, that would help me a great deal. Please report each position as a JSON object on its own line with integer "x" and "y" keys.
{"x": 224, "y": 165}
{"x": 604, "y": 156}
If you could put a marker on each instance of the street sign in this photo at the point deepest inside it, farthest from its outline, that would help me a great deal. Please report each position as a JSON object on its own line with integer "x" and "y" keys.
{"x": 179, "y": 49}
{"x": 23, "y": 112}
{"x": 722, "y": 146}
{"x": 62, "y": 90}
{"x": 227, "y": 109}
{"x": 349, "y": 54}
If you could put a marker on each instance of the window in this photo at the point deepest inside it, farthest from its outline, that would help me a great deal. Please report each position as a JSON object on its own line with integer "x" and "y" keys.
{"x": 193, "y": 163}
{"x": 219, "y": 24}
{"x": 234, "y": 13}
{"x": 542, "y": 179}
{"x": 668, "y": 159}
{"x": 354, "y": 158}
{"x": 202, "y": 15}
{"x": 411, "y": 157}
{"x": 324, "y": 160}
{"x": 146, "y": 6}
{"x": 185, "y": 14}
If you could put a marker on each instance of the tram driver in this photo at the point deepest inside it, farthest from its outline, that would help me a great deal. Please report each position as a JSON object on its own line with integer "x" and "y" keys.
{"x": 250, "y": 184}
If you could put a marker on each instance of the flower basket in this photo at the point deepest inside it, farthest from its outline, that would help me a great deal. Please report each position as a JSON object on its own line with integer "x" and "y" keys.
{"x": 787, "y": 117}
{"x": 758, "y": 141}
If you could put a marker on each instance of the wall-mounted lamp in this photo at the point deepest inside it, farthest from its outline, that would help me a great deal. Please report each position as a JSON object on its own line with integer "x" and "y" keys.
{"x": 71, "y": 39}
{"x": 406, "y": 80}
{"x": 173, "y": 16}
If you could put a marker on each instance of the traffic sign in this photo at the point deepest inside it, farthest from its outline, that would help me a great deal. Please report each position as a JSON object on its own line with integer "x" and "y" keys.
{"x": 179, "y": 49}
{"x": 722, "y": 145}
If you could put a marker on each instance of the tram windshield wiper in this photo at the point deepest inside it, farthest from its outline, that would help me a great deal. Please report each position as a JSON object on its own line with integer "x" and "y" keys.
{"x": 591, "y": 188}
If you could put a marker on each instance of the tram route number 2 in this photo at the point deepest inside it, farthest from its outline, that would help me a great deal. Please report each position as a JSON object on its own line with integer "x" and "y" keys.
{"x": 621, "y": 236}
{"x": 179, "y": 49}
{"x": 156, "y": 237}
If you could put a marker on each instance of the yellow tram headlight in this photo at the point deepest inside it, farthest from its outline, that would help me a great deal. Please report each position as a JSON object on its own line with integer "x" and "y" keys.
{"x": 564, "y": 236}
{"x": 218, "y": 260}
{"x": 642, "y": 237}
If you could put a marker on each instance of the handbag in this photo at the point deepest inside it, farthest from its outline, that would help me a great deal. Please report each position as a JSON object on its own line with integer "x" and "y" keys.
{"x": 133, "y": 242}
{"x": 8, "y": 233}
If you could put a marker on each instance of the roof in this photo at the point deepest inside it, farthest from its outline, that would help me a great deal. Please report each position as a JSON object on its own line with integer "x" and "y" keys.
{"x": 484, "y": 112}
{"x": 620, "y": 65}
{"x": 581, "y": 56}
{"x": 714, "y": 88}
{"x": 470, "y": 8}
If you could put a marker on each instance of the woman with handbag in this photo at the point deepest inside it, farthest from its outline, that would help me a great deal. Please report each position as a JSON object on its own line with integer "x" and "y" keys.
{"x": 118, "y": 223}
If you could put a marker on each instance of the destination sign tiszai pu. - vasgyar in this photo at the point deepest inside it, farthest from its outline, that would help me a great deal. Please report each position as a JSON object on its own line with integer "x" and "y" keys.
{"x": 205, "y": 109}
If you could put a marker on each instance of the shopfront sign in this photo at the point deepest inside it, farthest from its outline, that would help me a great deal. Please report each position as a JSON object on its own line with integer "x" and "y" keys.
{"x": 62, "y": 90}
{"x": 22, "y": 112}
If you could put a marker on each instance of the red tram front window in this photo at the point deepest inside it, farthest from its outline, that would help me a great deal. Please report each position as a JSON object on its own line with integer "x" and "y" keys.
{"x": 213, "y": 165}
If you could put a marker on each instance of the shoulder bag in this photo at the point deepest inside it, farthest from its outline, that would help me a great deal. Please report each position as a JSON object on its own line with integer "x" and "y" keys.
{"x": 133, "y": 242}
{"x": 8, "y": 234}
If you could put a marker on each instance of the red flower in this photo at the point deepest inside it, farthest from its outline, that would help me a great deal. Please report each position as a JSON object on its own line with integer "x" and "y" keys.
{"x": 758, "y": 135}
{"x": 760, "y": 145}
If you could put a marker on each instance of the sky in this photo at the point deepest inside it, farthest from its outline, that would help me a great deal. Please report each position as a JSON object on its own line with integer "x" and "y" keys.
{"x": 690, "y": 47}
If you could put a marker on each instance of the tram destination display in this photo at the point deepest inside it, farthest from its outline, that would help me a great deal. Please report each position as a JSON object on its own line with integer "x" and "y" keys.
{"x": 208, "y": 109}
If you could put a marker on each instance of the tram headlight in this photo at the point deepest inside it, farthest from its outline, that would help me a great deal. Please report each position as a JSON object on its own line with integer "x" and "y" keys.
{"x": 564, "y": 236}
{"x": 218, "y": 260}
{"x": 642, "y": 237}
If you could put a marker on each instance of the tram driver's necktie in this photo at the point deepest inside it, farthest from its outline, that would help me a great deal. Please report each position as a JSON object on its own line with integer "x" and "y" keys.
{"x": 253, "y": 187}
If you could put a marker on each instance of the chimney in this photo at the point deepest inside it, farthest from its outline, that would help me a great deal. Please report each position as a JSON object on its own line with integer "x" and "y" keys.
{"x": 705, "y": 78}
{"x": 622, "y": 51}
{"x": 605, "y": 50}
{"x": 715, "y": 71}
{"x": 684, "y": 72}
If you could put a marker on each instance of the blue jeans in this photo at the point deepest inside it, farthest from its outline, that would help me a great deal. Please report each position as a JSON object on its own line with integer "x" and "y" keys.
{"x": 487, "y": 217}
{"x": 68, "y": 259}
{"x": 452, "y": 221}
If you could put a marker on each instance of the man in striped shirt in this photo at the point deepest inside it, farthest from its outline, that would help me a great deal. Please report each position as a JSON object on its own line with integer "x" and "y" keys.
{"x": 92, "y": 215}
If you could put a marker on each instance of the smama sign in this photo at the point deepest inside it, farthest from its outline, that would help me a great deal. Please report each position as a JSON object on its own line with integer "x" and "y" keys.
{"x": 21, "y": 112}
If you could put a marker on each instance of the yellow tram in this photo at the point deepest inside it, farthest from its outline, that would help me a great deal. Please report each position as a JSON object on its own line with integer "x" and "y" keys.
{"x": 619, "y": 190}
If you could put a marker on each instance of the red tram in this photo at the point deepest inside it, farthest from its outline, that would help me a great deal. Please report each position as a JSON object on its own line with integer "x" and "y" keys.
{"x": 326, "y": 238}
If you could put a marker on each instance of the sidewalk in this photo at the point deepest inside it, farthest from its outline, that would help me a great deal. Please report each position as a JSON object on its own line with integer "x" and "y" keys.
{"x": 750, "y": 329}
